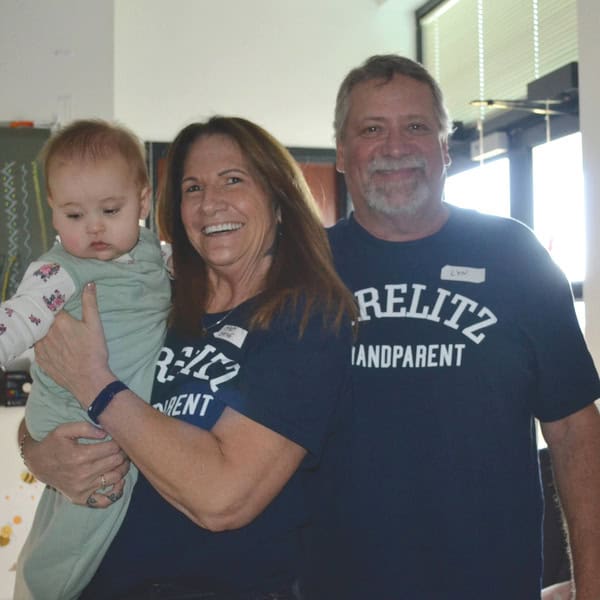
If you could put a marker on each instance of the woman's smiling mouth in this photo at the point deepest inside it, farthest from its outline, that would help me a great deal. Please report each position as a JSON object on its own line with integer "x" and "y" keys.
{"x": 221, "y": 228}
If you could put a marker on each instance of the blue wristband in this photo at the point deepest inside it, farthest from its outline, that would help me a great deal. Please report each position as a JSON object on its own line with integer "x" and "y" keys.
{"x": 103, "y": 399}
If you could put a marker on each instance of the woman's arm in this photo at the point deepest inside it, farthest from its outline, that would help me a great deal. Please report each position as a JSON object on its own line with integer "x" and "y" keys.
{"x": 221, "y": 479}
{"x": 76, "y": 469}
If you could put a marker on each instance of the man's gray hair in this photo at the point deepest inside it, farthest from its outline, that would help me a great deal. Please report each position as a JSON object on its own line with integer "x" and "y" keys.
{"x": 385, "y": 67}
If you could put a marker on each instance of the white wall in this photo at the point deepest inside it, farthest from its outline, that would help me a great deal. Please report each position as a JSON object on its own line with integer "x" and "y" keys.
{"x": 277, "y": 62}
{"x": 56, "y": 59}
{"x": 589, "y": 95}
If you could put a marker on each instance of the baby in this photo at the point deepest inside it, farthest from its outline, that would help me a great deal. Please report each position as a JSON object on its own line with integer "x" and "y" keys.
{"x": 98, "y": 190}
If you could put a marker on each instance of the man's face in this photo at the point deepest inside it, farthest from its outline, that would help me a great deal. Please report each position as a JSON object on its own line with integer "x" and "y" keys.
{"x": 391, "y": 151}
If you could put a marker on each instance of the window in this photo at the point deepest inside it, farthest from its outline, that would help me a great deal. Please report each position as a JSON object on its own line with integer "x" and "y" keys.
{"x": 559, "y": 209}
{"x": 485, "y": 188}
{"x": 491, "y": 49}
{"x": 468, "y": 45}
{"x": 558, "y": 200}
{"x": 558, "y": 203}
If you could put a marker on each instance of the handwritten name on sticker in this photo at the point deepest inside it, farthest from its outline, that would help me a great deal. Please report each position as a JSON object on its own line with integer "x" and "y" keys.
{"x": 232, "y": 333}
{"x": 465, "y": 274}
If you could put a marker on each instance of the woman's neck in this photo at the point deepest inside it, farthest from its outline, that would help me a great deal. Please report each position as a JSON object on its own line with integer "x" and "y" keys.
{"x": 228, "y": 290}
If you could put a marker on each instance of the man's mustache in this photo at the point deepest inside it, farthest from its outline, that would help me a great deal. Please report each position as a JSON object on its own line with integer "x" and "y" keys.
{"x": 395, "y": 164}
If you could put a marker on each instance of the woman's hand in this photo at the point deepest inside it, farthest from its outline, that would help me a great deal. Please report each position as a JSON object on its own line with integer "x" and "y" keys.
{"x": 74, "y": 352}
{"x": 78, "y": 470}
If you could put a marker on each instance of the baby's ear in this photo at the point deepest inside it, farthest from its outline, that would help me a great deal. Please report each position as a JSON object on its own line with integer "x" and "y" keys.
{"x": 145, "y": 199}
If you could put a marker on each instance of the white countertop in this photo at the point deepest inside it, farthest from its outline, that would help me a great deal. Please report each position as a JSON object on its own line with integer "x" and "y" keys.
{"x": 18, "y": 498}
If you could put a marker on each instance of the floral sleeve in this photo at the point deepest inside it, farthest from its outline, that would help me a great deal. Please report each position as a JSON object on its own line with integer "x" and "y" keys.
{"x": 26, "y": 317}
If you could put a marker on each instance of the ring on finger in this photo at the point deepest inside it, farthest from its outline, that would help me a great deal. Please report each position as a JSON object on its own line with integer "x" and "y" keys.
{"x": 102, "y": 481}
{"x": 91, "y": 501}
{"x": 115, "y": 497}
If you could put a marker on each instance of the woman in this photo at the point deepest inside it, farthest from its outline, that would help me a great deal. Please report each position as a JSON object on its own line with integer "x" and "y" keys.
{"x": 247, "y": 388}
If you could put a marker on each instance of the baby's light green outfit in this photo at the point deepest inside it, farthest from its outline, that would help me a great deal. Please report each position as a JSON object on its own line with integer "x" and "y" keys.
{"x": 67, "y": 542}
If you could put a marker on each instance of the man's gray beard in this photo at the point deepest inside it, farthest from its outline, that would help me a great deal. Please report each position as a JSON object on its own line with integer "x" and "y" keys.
{"x": 378, "y": 199}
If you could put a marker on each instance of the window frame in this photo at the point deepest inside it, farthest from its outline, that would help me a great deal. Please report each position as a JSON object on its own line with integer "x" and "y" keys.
{"x": 525, "y": 130}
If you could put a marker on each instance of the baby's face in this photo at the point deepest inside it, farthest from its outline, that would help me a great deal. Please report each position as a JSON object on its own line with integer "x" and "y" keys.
{"x": 96, "y": 206}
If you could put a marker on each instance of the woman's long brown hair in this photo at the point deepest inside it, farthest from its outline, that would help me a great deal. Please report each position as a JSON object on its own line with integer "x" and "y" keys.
{"x": 302, "y": 271}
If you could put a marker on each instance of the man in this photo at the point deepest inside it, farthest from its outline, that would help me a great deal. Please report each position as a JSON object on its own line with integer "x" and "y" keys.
{"x": 466, "y": 333}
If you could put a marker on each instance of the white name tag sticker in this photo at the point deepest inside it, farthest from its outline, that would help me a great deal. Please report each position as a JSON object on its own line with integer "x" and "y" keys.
{"x": 232, "y": 333}
{"x": 465, "y": 274}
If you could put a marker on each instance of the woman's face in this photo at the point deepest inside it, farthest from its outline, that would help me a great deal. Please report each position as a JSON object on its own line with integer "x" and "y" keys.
{"x": 227, "y": 215}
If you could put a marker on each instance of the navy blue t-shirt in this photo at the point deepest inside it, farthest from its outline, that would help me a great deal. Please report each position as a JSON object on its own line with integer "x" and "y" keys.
{"x": 463, "y": 337}
{"x": 293, "y": 386}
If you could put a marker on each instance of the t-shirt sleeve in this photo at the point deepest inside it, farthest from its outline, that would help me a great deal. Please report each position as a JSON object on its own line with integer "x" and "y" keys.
{"x": 292, "y": 385}
{"x": 567, "y": 378}
{"x": 27, "y": 316}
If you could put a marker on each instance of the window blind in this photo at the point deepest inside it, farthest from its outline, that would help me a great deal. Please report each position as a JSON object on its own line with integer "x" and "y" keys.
{"x": 491, "y": 49}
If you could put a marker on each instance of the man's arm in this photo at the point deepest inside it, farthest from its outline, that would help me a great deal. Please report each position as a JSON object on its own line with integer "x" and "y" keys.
{"x": 558, "y": 591}
{"x": 574, "y": 444}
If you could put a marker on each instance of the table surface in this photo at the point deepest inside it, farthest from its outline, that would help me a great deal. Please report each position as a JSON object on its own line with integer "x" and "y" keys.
{"x": 18, "y": 498}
